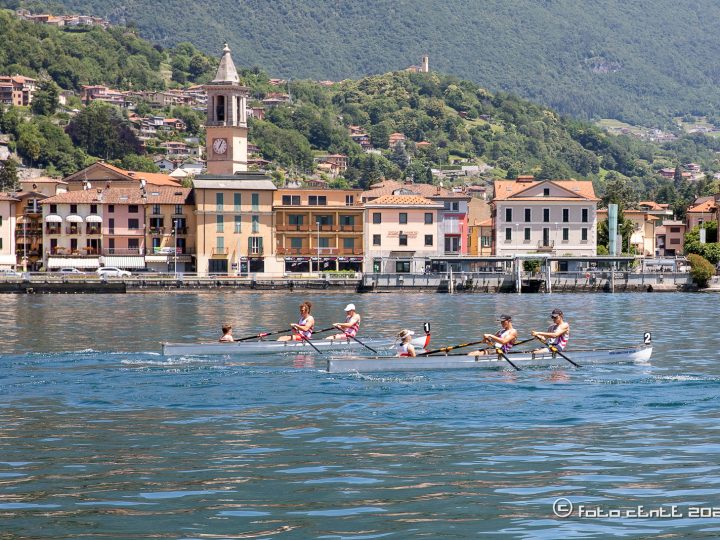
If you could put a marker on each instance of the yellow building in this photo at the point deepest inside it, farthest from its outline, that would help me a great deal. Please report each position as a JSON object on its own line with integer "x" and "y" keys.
{"x": 319, "y": 229}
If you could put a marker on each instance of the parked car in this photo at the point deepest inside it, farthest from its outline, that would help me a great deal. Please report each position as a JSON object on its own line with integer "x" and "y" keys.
{"x": 112, "y": 271}
{"x": 69, "y": 271}
{"x": 9, "y": 274}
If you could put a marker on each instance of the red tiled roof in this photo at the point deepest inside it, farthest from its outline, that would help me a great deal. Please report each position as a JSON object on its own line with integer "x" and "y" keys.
{"x": 505, "y": 189}
{"x": 402, "y": 200}
{"x": 703, "y": 207}
{"x": 386, "y": 187}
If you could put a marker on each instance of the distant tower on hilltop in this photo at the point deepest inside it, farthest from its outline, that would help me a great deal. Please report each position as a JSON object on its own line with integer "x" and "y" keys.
{"x": 226, "y": 139}
{"x": 425, "y": 64}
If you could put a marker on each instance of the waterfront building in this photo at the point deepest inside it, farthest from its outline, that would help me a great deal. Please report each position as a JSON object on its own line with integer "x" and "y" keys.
{"x": 319, "y": 229}
{"x": 401, "y": 233}
{"x": 453, "y": 239}
{"x": 551, "y": 217}
{"x": 7, "y": 230}
{"x": 29, "y": 229}
{"x": 104, "y": 175}
{"x": 170, "y": 230}
{"x": 234, "y": 206}
{"x": 670, "y": 238}
{"x": 702, "y": 210}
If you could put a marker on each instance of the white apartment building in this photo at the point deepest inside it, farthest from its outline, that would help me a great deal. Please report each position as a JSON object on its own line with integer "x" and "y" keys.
{"x": 556, "y": 217}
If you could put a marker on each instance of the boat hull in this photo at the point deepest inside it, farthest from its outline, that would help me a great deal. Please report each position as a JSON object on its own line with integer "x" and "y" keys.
{"x": 273, "y": 347}
{"x": 640, "y": 353}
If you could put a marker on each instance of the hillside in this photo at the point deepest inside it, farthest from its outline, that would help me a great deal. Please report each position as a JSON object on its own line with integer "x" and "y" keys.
{"x": 639, "y": 61}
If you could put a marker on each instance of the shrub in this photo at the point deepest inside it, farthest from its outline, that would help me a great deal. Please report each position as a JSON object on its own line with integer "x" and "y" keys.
{"x": 701, "y": 269}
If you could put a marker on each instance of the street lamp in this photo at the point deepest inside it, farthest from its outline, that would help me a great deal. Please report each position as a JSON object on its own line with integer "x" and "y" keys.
{"x": 175, "y": 224}
{"x": 318, "y": 246}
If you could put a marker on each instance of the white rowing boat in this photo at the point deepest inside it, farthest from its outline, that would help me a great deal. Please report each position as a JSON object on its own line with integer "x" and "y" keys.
{"x": 284, "y": 347}
{"x": 640, "y": 353}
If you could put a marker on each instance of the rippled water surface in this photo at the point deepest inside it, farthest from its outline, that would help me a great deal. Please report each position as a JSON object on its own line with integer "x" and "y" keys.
{"x": 102, "y": 437}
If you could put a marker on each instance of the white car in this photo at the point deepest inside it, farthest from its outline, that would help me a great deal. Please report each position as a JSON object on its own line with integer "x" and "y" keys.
{"x": 69, "y": 271}
{"x": 10, "y": 274}
{"x": 112, "y": 271}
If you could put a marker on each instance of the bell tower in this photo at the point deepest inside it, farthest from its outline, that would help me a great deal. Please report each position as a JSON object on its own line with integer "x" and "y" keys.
{"x": 226, "y": 125}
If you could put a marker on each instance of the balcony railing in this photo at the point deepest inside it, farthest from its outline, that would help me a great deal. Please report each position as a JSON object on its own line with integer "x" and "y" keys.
{"x": 157, "y": 231}
{"x": 117, "y": 231}
{"x": 546, "y": 246}
{"x": 73, "y": 230}
{"x": 219, "y": 251}
{"x": 53, "y": 230}
{"x": 313, "y": 252}
{"x": 122, "y": 251}
{"x": 293, "y": 228}
{"x": 93, "y": 230}
{"x": 32, "y": 210}
{"x": 170, "y": 251}
{"x": 180, "y": 230}
{"x": 35, "y": 231}
{"x": 323, "y": 228}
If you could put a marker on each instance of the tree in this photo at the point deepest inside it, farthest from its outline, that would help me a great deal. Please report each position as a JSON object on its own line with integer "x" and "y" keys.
{"x": 677, "y": 175}
{"x": 101, "y": 130}
{"x": 8, "y": 176}
{"x": 133, "y": 162}
{"x": 701, "y": 269}
{"x": 618, "y": 191}
{"x": 46, "y": 99}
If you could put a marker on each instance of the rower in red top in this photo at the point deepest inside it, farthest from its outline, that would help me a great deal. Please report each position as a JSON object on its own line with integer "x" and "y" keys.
{"x": 303, "y": 329}
{"x": 557, "y": 333}
{"x": 351, "y": 325}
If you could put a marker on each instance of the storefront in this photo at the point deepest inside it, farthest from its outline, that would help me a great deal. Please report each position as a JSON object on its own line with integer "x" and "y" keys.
{"x": 297, "y": 264}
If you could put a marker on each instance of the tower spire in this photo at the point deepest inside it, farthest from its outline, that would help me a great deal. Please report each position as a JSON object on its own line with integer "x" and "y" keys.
{"x": 226, "y": 72}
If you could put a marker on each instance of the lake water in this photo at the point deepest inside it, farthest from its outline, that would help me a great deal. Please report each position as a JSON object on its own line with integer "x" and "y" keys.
{"x": 101, "y": 437}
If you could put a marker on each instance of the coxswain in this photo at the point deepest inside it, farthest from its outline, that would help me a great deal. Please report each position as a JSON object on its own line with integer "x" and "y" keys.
{"x": 350, "y": 327}
{"x": 406, "y": 348}
{"x": 227, "y": 334}
{"x": 504, "y": 339}
{"x": 557, "y": 333}
{"x": 303, "y": 329}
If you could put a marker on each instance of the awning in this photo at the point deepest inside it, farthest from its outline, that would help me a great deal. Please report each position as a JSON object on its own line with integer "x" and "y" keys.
{"x": 53, "y": 218}
{"x": 8, "y": 260}
{"x": 73, "y": 218}
{"x": 73, "y": 262}
{"x": 167, "y": 258}
{"x": 128, "y": 261}
{"x": 92, "y": 219}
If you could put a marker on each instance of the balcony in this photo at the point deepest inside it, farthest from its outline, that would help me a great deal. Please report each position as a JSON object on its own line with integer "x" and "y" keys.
{"x": 157, "y": 231}
{"x": 313, "y": 251}
{"x": 28, "y": 232}
{"x": 545, "y": 246}
{"x": 218, "y": 251}
{"x": 117, "y": 231}
{"x": 293, "y": 228}
{"x": 73, "y": 230}
{"x": 350, "y": 228}
{"x": 93, "y": 230}
{"x": 256, "y": 252}
{"x": 122, "y": 251}
{"x": 180, "y": 230}
{"x": 32, "y": 210}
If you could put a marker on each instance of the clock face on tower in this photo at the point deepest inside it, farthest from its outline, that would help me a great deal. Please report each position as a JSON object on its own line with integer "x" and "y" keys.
{"x": 219, "y": 146}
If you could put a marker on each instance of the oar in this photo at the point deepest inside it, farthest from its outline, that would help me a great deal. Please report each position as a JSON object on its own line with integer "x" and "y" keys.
{"x": 555, "y": 350}
{"x": 500, "y": 352}
{"x": 446, "y": 349}
{"x": 309, "y": 342}
{"x": 264, "y": 334}
{"x": 361, "y": 343}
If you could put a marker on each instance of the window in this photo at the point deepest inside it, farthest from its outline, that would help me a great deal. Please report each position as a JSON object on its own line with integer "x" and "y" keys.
{"x": 376, "y": 239}
{"x": 220, "y": 223}
{"x": 291, "y": 200}
{"x": 428, "y": 218}
{"x": 674, "y": 229}
{"x": 452, "y": 206}
{"x": 220, "y": 244}
{"x": 349, "y": 243}
{"x": 402, "y": 267}
{"x": 324, "y": 242}
{"x": 508, "y": 215}
{"x": 403, "y": 218}
{"x": 295, "y": 219}
{"x": 255, "y": 245}
{"x": 238, "y": 224}
{"x": 156, "y": 222}
{"x": 133, "y": 224}
{"x": 528, "y": 215}
{"x": 527, "y": 234}
{"x": 377, "y": 218}
{"x": 584, "y": 234}
{"x": 132, "y": 209}
{"x": 156, "y": 243}
{"x": 317, "y": 200}
{"x": 93, "y": 209}
{"x": 296, "y": 243}
{"x": 508, "y": 234}
{"x": 178, "y": 209}
{"x": 53, "y": 208}
{"x": 402, "y": 239}
{"x": 349, "y": 200}
{"x": 73, "y": 208}
{"x": 674, "y": 240}
{"x": 428, "y": 239}
{"x": 255, "y": 224}
{"x": 546, "y": 192}
{"x": 255, "y": 201}
{"x": 133, "y": 243}
{"x": 324, "y": 220}
{"x": 546, "y": 215}
{"x": 584, "y": 215}
{"x": 237, "y": 200}
{"x": 566, "y": 215}
{"x": 347, "y": 220}
{"x": 566, "y": 234}
{"x": 218, "y": 202}
{"x": 485, "y": 241}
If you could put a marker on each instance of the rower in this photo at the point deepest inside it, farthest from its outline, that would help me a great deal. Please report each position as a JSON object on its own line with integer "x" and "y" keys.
{"x": 351, "y": 325}
{"x": 227, "y": 334}
{"x": 406, "y": 348}
{"x": 557, "y": 333}
{"x": 303, "y": 329}
{"x": 504, "y": 339}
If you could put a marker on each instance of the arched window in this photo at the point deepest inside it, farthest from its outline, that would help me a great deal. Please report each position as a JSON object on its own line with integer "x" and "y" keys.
{"x": 220, "y": 108}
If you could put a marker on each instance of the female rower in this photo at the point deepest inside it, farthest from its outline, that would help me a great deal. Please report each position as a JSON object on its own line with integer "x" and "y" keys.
{"x": 557, "y": 333}
{"x": 351, "y": 325}
{"x": 503, "y": 340}
{"x": 303, "y": 329}
{"x": 406, "y": 348}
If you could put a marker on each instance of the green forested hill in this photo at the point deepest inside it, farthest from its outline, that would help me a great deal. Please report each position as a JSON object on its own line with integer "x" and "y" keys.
{"x": 639, "y": 61}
